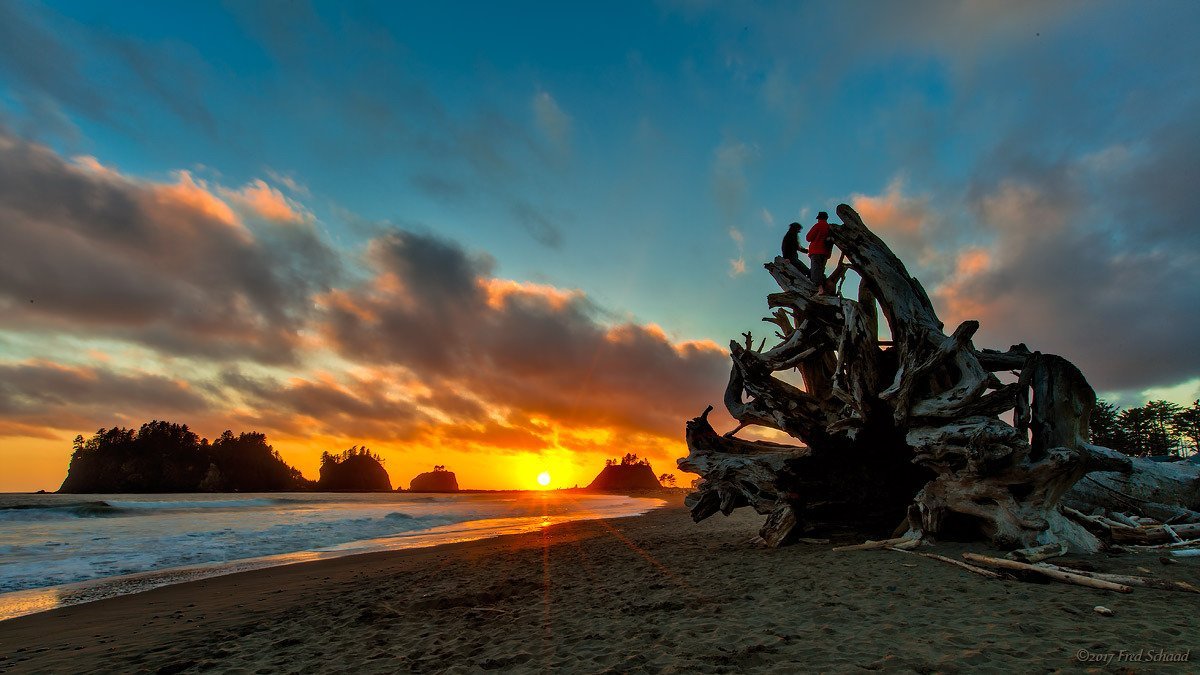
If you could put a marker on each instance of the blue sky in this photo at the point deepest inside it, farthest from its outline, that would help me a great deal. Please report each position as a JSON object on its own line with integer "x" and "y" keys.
{"x": 1035, "y": 162}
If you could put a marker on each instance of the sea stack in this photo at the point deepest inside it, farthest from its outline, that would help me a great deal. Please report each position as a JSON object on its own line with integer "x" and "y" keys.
{"x": 629, "y": 473}
{"x": 355, "y": 470}
{"x": 438, "y": 480}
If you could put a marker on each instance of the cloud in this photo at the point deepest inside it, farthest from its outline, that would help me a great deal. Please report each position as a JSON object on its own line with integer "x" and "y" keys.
{"x": 553, "y": 123}
{"x": 737, "y": 266}
{"x": 729, "y": 182}
{"x": 288, "y": 181}
{"x": 965, "y": 29}
{"x": 542, "y": 229}
{"x": 87, "y": 250}
{"x": 905, "y": 222}
{"x": 380, "y": 404}
{"x": 38, "y": 394}
{"x": 435, "y": 310}
{"x": 59, "y": 63}
{"x": 1069, "y": 270}
{"x": 264, "y": 201}
{"x": 38, "y": 59}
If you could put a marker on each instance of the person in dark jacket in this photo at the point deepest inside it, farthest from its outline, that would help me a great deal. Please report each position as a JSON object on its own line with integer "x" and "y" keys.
{"x": 791, "y": 244}
{"x": 819, "y": 248}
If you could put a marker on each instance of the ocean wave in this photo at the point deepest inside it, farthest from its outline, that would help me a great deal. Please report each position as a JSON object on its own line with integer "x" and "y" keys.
{"x": 110, "y": 508}
{"x": 195, "y": 504}
{"x": 69, "y": 560}
{"x": 89, "y": 509}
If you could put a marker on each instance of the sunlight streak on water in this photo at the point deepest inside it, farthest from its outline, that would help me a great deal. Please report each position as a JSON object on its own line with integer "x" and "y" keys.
{"x": 266, "y": 520}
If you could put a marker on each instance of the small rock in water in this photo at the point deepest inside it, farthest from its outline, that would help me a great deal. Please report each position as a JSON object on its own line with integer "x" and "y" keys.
{"x": 1103, "y": 611}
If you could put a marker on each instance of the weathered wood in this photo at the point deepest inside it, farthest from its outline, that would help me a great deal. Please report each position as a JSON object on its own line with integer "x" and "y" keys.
{"x": 901, "y": 543}
{"x": 1122, "y": 518}
{"x": 1128, "y": 580}
{"x": 1049, "y": 572}
{"x": 1154, "y": 534}
{"x": 957, "y": 563}
{"x": 917, "y": 430}
{"x": 1038, "y": 553}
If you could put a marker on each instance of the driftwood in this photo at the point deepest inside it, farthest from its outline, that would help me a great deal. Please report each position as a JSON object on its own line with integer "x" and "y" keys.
{"x": 1128, "y": 580}
{"x": 898, "y": 543}
{"x": 1055, "y": 573}
{"x": 1154, "y": 534}
{"x": 957, "y": 563}
{"x": 1038, "y": 553}
{"x": 918, "y": 427}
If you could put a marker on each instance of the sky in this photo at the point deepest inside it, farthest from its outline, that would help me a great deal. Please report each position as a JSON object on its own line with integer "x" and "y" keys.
{"x": 516, "y": 237}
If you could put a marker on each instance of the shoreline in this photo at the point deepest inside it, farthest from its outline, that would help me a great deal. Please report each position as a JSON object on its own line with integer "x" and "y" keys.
{"x": 653, "y": 592}
{"x": 14, "y": 604}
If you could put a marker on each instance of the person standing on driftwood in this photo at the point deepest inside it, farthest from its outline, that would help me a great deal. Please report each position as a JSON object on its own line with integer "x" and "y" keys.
{"x": 819, "y": 248}
{"x": 792, "y": 248}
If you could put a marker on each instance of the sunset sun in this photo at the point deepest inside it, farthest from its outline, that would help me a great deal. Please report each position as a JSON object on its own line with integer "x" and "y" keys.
{"x": 543, "y": 478}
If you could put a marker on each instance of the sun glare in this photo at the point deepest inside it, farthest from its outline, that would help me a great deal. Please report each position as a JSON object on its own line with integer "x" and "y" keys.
{"x": 543, "y": 478}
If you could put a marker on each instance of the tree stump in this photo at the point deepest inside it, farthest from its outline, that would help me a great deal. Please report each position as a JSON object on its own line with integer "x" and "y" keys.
{"x": 911, "y": 432}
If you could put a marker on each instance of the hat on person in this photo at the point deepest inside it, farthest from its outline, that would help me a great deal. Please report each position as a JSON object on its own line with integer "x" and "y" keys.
{"x": 822, "y": 215}
{"x": 795, "y": 225}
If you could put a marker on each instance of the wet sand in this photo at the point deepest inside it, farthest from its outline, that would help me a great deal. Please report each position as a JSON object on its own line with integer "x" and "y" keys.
{"x": 654, "y": 593}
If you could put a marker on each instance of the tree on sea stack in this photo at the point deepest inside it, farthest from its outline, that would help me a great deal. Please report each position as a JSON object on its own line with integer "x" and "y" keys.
{"x": 909, "y": 431}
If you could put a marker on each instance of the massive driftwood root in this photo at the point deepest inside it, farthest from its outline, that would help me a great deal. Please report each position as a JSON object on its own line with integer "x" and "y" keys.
{"x": 907, "y": 430}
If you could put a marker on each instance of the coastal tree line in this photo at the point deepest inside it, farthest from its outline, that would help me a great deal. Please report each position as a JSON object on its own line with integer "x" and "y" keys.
{"x": 1156, "y": 429}
{"x": 163, "y": 456}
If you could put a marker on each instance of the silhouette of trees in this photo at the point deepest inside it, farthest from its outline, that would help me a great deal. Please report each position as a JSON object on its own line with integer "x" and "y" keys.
{"x": 629, "y": 459}
{"x": 1157, "y": 429}
{"x": 1106, "y": 427}
{"x": 353, "y": 469}
{"x": 1187, "y": 425}
{"x": 248, "y": 464}
{"x": 164, "y": 456}
{"x": 667, "y": 479}
{"x": 353, "y": 451}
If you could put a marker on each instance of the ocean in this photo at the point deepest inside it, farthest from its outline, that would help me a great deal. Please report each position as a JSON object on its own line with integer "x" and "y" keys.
{"x": 57, "y": 550}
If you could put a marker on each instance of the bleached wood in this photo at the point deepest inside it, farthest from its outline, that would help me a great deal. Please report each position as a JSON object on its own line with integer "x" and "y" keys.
{"x": 1049, "y": 572}
{"x": 957, "y": 563}
{"x": 923, "y": 429}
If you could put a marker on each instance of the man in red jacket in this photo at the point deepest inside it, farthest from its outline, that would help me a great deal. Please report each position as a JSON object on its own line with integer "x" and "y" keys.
{"x": 819, "y": 248}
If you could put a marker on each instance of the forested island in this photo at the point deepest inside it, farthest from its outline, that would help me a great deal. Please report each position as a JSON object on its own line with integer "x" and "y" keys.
{"x": 168, "y": 457}
{"x": 628, "y": 474}
{"x": 438, "y": 480}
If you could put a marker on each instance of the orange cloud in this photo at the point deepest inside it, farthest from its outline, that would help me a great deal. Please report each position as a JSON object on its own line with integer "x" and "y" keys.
{"x": 959, "y": 294}
{"x": 196, "y": 195}
{"x": 972, "y": 261}
{"x": 501, "y": 291}
{"x": 892, "y": 212}
{"x": 264, "y": 201}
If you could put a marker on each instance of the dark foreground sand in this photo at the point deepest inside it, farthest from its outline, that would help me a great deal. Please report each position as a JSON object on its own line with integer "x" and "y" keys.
{"x": 648, "y": 594}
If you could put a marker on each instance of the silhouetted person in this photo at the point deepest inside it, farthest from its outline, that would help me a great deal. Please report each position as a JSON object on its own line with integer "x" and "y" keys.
{"x": 819, "y": 248}
{"x": 791, "y": 244}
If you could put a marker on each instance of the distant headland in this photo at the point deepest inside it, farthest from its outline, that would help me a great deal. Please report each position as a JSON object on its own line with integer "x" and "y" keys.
{"x": 166, "y": 457}
{"x": 438, "y": 480}
{"x": 169, "y": 457}
{"x": 629, "y": 474}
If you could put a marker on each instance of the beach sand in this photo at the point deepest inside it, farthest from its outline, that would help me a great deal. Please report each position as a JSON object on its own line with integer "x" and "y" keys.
{"x": 655, "y": 593}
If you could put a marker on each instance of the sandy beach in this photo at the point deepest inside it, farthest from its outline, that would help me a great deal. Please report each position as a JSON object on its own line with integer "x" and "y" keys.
{"x": 654, "y": 593}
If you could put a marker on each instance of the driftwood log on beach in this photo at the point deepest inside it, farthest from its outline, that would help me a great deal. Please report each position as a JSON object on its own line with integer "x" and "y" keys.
{"x": 918, "y": 430}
